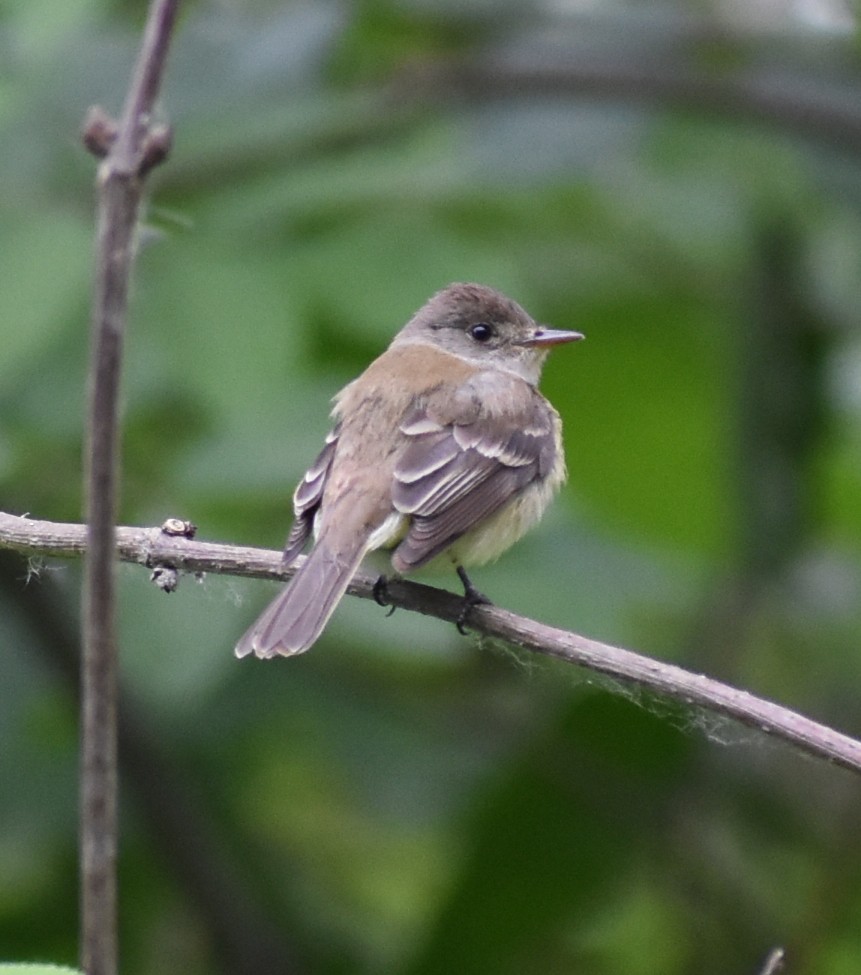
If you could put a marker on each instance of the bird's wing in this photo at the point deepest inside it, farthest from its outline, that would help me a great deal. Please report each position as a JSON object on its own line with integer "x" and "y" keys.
{"x": 456, "y": 471}
{"x": 307, "y": 498}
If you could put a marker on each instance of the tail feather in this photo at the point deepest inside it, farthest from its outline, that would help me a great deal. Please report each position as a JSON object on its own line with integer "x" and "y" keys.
{"x": 296, "y": 617}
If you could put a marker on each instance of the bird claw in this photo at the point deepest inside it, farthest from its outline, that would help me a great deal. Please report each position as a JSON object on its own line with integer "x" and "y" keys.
{"x": 381, "y": 591}
{"x": 471, "y": 597}
{"x": 381, "y": 594}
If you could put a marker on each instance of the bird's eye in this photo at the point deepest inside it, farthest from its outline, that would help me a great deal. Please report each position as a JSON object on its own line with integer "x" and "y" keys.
{"x": 481, "y": 332}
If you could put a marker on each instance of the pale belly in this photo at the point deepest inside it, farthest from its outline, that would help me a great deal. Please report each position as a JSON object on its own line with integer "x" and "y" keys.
{"x": 482, "y": 544}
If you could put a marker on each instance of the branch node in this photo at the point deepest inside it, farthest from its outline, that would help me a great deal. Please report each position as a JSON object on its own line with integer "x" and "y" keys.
{"x": 165, "y": 577}
{"x": 99, "y": 132}
{"x": 178, "y": 528}
{"x": 156, "y": 147}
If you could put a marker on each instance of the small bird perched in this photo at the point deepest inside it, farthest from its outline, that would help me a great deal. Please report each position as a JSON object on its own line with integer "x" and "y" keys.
{"x": 443, "y": 450}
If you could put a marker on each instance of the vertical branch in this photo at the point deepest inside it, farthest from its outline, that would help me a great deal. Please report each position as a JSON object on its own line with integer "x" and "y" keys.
{"x": 129, "y": 150}
{"x": 782, "y": 419}
{"x": 784, "y": 407}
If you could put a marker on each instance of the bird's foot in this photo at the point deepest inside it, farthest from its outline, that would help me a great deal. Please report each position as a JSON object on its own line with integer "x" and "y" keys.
{"x": 471, "y": 597}
{"x": 381, "y": 594}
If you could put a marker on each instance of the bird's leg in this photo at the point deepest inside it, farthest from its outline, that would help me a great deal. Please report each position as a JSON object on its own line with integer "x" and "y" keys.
{"x": 470, "y": 593}
{"x": 471, "y": 597}
{"x": 381, "y": 594}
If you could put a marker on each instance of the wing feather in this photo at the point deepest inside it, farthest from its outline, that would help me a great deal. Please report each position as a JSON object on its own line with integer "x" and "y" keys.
{"x": 451, "y": 476}
{"x": 307, "y": 498}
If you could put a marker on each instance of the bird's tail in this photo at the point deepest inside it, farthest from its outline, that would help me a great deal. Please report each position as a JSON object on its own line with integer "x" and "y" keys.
{"x": 296, "y": 617}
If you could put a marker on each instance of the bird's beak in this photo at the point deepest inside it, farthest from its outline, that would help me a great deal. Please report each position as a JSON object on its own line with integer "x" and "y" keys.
{"x": 551, "y": 336}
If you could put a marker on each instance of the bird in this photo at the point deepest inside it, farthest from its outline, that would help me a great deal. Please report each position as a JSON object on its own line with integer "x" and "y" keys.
{"x": 443, "y": 451}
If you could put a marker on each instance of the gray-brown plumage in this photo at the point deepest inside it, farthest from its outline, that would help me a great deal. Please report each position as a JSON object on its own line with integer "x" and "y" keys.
{"x": 443, "y": 450}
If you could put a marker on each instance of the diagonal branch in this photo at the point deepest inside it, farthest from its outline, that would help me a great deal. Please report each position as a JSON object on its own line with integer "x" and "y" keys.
{"x": 160, "y": 547}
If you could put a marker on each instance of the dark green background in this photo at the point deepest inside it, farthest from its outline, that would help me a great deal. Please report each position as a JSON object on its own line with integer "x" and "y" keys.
{"x": 402, "y": 799}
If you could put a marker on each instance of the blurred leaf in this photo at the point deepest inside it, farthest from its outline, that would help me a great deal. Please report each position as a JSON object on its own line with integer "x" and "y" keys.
{"x": 45, "y": 271}
{"x": 385, "y": 35}
{"x": 539, "y": 852}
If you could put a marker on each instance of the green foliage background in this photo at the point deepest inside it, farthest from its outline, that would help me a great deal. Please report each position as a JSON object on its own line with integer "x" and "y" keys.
{"x": 401, "y": 799}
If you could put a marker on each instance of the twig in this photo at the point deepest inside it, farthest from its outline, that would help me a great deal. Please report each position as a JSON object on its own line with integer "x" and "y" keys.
{"x": 129, "y": 150}
{"x": 153, "y": 547}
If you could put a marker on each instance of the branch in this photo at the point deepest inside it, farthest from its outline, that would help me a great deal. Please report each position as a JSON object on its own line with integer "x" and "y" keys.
{"x": 129, "y": 150}
{"x": 169, "y": 547}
